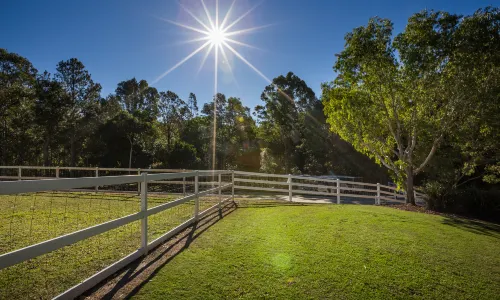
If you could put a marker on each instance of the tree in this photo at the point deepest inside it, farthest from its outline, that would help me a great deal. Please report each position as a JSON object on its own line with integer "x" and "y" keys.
{"x": 285, "y": 100}
{"x": 141, "y": 103}
{"x": 196, "y": 132}
{"x": 396, "y": 100}
{"x": 17, "y": 81}
{"x": 193, "y": 104}
{"x": 51, "y": 107}
{"x": 173, "y": 111}
{"x": 138, "y": 98}
{"x": 236, "y": 145}
{"x": 295, "y": 138}
{"x": 84, "y": 95}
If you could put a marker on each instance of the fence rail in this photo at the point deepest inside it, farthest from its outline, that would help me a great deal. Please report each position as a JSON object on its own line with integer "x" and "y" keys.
{"x": 343, "y": 191}
{"x": 61, "y": 184}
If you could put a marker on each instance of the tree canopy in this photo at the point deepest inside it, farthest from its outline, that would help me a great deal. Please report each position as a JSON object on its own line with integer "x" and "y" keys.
{"x": 399, "y": 99}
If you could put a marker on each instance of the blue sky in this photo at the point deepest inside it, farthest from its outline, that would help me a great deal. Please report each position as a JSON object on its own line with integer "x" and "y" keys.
{"x": 118, "y": 40}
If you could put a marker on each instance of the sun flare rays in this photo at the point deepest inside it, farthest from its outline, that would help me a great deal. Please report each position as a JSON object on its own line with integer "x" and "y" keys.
{"x": 216, "y": 36}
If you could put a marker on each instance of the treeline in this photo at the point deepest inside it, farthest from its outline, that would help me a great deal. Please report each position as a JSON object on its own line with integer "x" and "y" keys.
{"x": 61, "y": 119}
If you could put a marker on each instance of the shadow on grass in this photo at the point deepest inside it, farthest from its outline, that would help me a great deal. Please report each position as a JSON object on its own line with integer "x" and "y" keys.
{"x": 474, "y": 226}
{"x": 128, "y": 281}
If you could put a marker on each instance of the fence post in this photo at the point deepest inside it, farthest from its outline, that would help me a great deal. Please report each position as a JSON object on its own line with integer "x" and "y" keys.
{"x": 19, "y": 173}
{"x": 220, "y": 190}
{"x": 144, "y": 208}
{"x": 196, "y": 199}
{"x": 338, "y": 191}
{"x": 232, "y": 188}
{"x": 377, "y": 200}
{"x": 57, "y": 172}
{"x": 290, "y": 187}
{"x": 184, "y": 186}
{"x": 96, "y": 175}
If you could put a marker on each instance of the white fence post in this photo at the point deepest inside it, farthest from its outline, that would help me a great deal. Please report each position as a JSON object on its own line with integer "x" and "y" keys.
{"x": 19, "y": 173}
{"x": 338, "y": 191}
{"x": 96, "y": 175}
{"x": 232, "y": 188}
{"x": 377, "y": 200}
{"x": 144, "y": 208}
{"x": 290, "y": 187}
{"x": 220, "y": 191}
{"x": 196, "y": 199}
{"x": 57, "y": 172}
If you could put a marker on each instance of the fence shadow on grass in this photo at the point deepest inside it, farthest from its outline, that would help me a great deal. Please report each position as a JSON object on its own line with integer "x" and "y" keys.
{"x": 127, "y": 282}
{"x": 475, "y": 226}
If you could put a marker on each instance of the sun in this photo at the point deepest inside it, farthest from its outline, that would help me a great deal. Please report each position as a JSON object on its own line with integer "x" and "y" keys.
{"x": 217, "y": 37}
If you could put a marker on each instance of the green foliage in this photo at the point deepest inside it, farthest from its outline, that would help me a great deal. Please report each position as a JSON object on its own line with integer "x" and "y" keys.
{"x": 236, "y": 144}
{"x": 139, "y": 126}
{"x": 294, "y": 135}
{"x": 183, "y": 156}
{"x": 396, "y": 100}
{"x": 84, "y": 96}
{"x": 17, "y": 94}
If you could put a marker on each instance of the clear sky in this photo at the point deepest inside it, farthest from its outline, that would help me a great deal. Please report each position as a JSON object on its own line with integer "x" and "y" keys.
{"x": 121, "y": 39}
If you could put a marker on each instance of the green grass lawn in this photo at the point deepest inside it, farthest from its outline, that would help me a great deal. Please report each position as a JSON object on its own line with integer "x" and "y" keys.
{"x": 28, "y": 219}
{"x": 334, "y": 252}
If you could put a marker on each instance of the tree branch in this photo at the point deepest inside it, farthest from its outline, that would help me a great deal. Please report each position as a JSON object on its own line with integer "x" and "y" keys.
{"x": 435, "y": 145}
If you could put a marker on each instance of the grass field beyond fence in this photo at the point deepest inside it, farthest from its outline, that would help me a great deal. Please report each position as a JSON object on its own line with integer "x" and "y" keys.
{"x": 27, "y": 219}
{"x": 334, "y": 252}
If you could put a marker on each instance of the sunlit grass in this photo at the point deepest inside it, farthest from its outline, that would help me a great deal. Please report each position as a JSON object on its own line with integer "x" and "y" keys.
{"x": 334, "y": 252}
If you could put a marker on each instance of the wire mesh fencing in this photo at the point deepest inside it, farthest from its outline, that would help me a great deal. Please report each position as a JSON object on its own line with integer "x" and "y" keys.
{"x": 58, "y": 240}
{"x": 28, "y": 219}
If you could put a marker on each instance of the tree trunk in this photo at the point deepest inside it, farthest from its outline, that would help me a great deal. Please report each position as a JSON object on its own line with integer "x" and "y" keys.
{"x": 130, "y": 156}
{"x": 46, "y": 152}
{"x": 168, "y": 137}
{"x": 410, "y": 195}
{"x": 72, "y": 151}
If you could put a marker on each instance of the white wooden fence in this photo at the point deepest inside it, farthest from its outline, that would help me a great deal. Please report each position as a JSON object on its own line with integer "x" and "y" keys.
{"x": 250, "y": 181}
{"x": 58, "y": 184}
{"x": 338, "y": 190}
{"x": 256, "y": 183}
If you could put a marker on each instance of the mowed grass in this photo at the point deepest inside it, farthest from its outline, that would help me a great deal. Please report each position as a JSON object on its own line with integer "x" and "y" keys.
{"x": 28, "y": 219}
{"x": 334, "y": 252}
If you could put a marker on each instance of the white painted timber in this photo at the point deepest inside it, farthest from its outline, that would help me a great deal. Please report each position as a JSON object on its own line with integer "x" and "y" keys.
{"x": 254, "y": 188}
{"x": 261, "y": 181}
{"x": 18, "y": 187}
{"x": 18, "y": 256}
